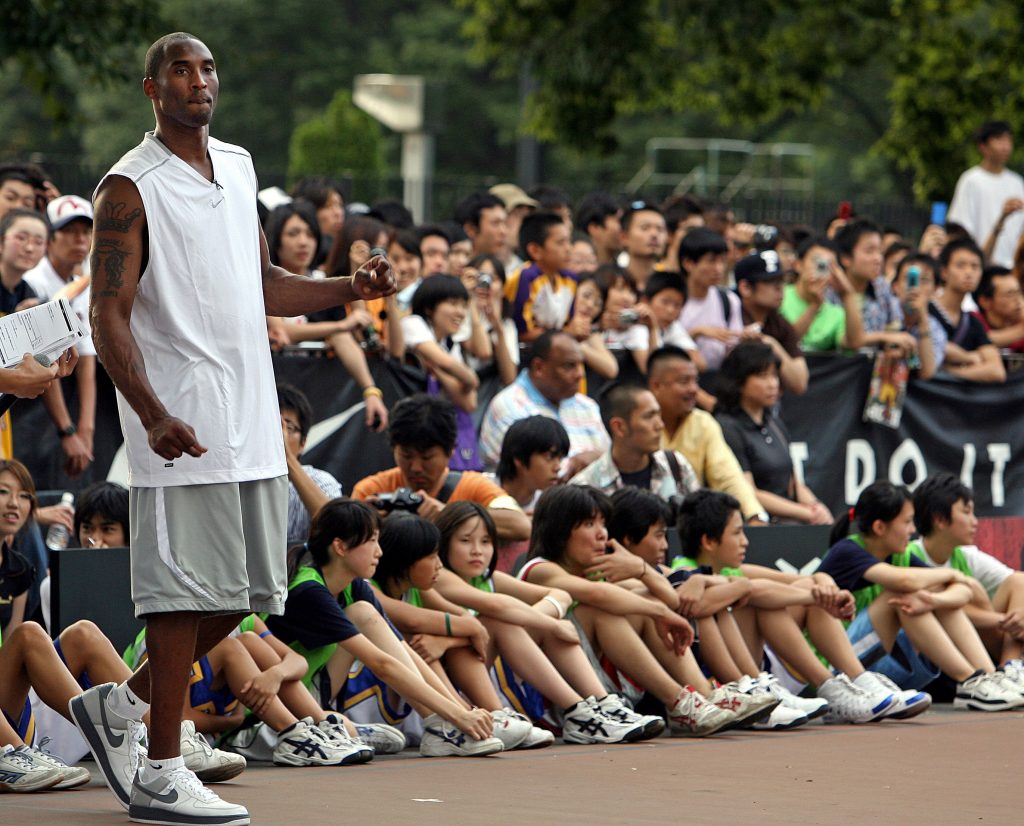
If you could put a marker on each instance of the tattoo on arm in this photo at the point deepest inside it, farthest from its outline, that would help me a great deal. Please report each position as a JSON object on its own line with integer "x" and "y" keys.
{"x": 113, "y": 258}
{"x": 115, "y": 219}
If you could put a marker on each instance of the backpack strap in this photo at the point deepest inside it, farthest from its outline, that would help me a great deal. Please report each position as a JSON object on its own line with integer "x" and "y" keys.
{"x": 723, "y": 296}
{"x": 451, "y": 481}
{"x": 673, "y": 465}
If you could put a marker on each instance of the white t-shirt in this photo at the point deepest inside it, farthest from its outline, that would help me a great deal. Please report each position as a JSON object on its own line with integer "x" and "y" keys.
{"x": 44, "y": 280}
{"x": 676, "y": 334}
{"x": 508, "y": 327}
{"x": 200, "y": 321}
{"x": 708, "y": 312}
{"x": 977, "y": 204}
{"x": 634, "y": 337}
{"x": 416, "y": 331}
{"x": 988, "y": 570}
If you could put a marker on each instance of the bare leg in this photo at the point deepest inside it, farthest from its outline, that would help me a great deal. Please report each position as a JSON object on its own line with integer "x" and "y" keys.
{"x": 829, "y": 636}
{"x": 738, "y": 650}
{"x": 87, "y": 650}
{"x": 783, "y": 634}
{"x": 29, "y": 660}
{"x": 525, "y": 658}
{"x": 925, "y": 632}
{"x": 171, "y": 644}
{"x": 470, "y": 675}
{"x": 1010, "y": 597}
{"x": 684, "y": 669}
{"x": 293, "y": 693}
{"x": 746, "y": 619}
{"x": 570, "y": 661}
{"x": 963, "y": 635}
{"x": 715, "y": 652}
{"x": 230, "y": 658}
{"x": 621, "y": 643}
{"x": 8, "y": 736}
{"x": 211, "y": 629}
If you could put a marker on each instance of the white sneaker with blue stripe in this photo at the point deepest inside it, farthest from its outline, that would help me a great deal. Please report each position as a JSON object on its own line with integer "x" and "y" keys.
{"x": 850, "y": 703}
{"x": 907, "y": 704}
{"x": 442, "y": 739}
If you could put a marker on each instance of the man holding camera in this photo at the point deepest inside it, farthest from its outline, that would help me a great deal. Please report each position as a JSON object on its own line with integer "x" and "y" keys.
{"x": 422, "y": 431}
{"x": 632, "y": 417}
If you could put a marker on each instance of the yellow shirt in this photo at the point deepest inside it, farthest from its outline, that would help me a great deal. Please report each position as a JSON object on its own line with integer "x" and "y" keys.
{"x": 699, "y": 438}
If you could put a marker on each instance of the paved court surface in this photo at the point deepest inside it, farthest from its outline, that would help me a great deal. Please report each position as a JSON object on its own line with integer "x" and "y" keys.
{"x": 943, "y": 768}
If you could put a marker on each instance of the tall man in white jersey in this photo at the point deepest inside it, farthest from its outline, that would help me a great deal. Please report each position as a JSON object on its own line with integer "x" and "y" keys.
{"x": 182, "y": 283}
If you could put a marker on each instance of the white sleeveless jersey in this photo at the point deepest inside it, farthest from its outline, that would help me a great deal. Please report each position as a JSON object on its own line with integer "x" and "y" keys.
{"x": 199, "y": 318}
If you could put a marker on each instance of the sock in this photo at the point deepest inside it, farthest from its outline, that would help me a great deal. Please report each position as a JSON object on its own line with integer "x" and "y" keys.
{"x": 123, "y": 702}
{"x": 150, "y": 769}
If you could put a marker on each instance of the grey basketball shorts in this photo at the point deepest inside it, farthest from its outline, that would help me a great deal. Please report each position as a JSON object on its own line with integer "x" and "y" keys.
{"x": 213, "y": 548}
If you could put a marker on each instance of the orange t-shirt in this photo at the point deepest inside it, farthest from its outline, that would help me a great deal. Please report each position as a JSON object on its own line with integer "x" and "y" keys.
{"x": 472, "y": 487}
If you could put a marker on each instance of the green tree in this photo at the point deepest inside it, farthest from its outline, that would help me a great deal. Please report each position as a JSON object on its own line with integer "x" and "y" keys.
{"x": 341, "y": 139}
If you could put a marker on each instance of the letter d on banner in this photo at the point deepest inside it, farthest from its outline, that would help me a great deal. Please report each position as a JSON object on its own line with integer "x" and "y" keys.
{"x": 860, "y": 468}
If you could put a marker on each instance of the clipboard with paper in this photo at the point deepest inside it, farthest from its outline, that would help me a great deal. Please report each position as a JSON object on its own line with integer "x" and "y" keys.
{"x": 46, "y": 331}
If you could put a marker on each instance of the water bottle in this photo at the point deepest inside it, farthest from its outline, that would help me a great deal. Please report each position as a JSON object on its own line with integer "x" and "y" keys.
{"x": 57, "y": 537}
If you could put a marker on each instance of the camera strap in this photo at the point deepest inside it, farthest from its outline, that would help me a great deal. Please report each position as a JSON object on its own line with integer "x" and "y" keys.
{"x": 451, "y": 482}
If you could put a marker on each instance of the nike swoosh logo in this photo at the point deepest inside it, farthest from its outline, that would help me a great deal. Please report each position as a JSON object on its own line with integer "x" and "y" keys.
{"x": 166, "y": 797}
{"x": 130, "y": 700}
{"x": 116, "y": 740}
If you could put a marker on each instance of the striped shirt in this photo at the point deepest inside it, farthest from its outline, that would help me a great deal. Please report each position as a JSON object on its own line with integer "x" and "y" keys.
{"x": 579, "y": 415}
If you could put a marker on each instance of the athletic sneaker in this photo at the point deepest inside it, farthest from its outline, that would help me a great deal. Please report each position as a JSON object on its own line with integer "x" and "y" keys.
{"x": 210, "y": 765}
{"x": 113, "y": 740}
{"x": 442, "y": 739}
{"x": 304, "y": 744}
{"x": 849, "y": 703}
{"x": 383, "y": 739}
{"x": 510, "y": 730}
{"x": 612, "y": 705}
{"x": 334, "y": 727}
{"x": 176, "y": 797}
{"x": 693, "y": 716}
{"x": 810, "y": 707}
{"x": 906, "y": 704}
{"x": 535, "y": 738}
{"x": 20, "y": 771}
{"x": 748, "y": 707}
{"x": 74, "y": 776}
{"x": 987, "y": 692}
{"x": 586, "y": 723}
{"x": 1014, "y": 672}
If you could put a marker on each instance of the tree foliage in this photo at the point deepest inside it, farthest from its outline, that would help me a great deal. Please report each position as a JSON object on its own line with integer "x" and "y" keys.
{"x": 949, "y": 64}
{"x": 48, "y": 40}
{"x": 341, "y": 139}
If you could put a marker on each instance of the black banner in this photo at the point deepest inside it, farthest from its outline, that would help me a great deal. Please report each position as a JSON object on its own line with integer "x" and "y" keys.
{"x": 972, "y": 430}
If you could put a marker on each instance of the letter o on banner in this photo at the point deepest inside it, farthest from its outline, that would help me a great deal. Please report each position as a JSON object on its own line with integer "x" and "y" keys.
{"x": 907, "y": 452}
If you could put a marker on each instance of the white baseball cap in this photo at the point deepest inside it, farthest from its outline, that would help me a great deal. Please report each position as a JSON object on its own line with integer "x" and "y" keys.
{"x": 67, "y": 208}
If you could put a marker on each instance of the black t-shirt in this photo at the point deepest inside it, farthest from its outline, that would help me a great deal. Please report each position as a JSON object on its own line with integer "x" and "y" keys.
{"x": 16, "y": 574}
{"x": 639, "y": 479}
{"x": 762, "y": 449}
{"x": 314, "y": 618}
{"x": 11, "y": 299}
{"x": 973, "y": 333}
{"x": 847, "y": 560}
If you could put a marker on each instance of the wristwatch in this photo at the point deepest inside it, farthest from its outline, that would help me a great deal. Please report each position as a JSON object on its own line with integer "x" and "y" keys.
{"x": 70, "y": 430}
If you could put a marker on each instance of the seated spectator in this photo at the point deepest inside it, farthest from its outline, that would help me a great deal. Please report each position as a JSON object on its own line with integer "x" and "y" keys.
{"x": 820, "y": 324}
{"x": 860, "y": 253}
{"x": 18, "y": 503}
{"x": 632, "y": 417}
{"x": 309, "y": 488}
{"x": 759, "y": 284}
{"x": 60, "y": 273}
{"x": 712, "y": 315}
{"x": 517, "y": 206}
{"x": 531, "y": 456}
{"x": 23, "y": 237}
{"x": 930, "y": 334}
{"x": 970, "y": 353}
{"x": 599, "y": 216}
{"x": 292, "y": 239}
{"x": 625, "y": 324}
{"x": 406, "y": 259}
{"x": 549, "y": 386}
{"x": 496, "y": 327}
{"x": 748, "y": 391}
{"x": 484, "y": 219}
{"x": 672, "y": 378}
{"x": 434, "y": 247}
{"x": 19, "y": 184}
{"x": 644, "y": 237}
{"x": 1001, "y": 308}
{"x": 542, "y": 291}
{"x": 665, "y": 295}
{"x": 945, "y": 520}
{"x": 422, "y": 434}
{"x": 439, "y": 308}
{"x": 329, "y": 204}
{"x": 460, "y": 248}
{"x": 584, "y": 327}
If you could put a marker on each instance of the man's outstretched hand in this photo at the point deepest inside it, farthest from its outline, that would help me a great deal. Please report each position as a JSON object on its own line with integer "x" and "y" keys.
{"x": 375, "y": 279}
